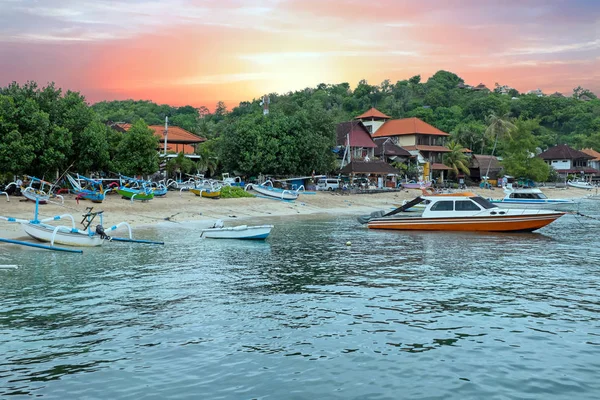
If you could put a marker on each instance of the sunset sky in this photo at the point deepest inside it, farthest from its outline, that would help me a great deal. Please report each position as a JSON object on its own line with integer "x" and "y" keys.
{"x": 199, "y": 52}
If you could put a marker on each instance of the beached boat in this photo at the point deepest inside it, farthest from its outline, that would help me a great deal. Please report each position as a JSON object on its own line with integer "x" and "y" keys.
{"x": 415, "y": 185}
{"x": 245, "y": 232}
{"x": 86, "y": 188}
{"x": 208, "y": 189}
{"x": 37, "y": 189}
{"x": 580, "y": 184}
{"x": 266, "y": 189}
{"x": 533, "y": 198}
{"x": 461, "y": 212}
{"x": 135, "y": 194}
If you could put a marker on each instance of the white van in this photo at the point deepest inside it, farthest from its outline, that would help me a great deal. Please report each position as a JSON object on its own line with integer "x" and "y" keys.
{"x": 328, "y": 184}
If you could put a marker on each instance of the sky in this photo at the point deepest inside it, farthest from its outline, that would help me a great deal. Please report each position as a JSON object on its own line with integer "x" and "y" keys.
{"x": 198, "y": 52}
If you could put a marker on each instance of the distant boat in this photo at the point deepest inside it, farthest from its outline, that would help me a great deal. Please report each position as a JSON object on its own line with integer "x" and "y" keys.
{"x": 208, "y": 189}
{"x": 532, "y": 198}
{"x": 266, "y": 189}
{"x": 415, "y": 185}
{"x": 580, "y": 184}
{"x": 245, "y": 232}
{"x": 37, "y": 189}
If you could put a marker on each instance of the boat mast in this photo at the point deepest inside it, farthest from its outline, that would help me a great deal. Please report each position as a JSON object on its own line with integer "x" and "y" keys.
{"x": 166, "y": 133}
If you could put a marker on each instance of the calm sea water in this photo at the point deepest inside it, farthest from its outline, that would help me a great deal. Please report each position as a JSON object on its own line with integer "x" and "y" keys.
{"x": 303, "y": 316}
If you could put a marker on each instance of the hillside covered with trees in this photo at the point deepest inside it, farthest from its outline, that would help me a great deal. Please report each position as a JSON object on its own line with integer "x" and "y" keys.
{"x": 44, "y": 129}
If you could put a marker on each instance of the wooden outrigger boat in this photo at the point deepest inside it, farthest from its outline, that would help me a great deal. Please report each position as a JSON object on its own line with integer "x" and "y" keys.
{"x": 461, "y": 212}
{"x": 266, "y": 189}
{"x": 70, "y": 235}
{"x": 87, "y": 189}
{"x": 134, "y": 189}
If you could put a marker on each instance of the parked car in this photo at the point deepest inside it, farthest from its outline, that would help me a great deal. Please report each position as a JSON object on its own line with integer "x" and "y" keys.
{"x": 328, "y": 184}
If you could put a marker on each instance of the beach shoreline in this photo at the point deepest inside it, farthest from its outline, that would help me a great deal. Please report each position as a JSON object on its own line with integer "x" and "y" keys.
{"x": 186, "y": 208}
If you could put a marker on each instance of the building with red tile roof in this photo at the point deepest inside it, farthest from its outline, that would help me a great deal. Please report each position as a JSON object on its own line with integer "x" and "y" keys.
{"x": 566, "y": 160}
{"x": 373, "y": 119}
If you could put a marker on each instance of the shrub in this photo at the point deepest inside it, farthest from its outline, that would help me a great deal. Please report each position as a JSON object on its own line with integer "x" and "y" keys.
{"x": 232, "y": 192}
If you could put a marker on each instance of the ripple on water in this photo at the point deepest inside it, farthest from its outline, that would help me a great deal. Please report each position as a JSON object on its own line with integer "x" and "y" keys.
{"x": 424, "y": 315}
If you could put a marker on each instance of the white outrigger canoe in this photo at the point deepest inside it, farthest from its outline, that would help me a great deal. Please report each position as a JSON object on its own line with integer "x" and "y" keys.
{"x": 259, "y": 232}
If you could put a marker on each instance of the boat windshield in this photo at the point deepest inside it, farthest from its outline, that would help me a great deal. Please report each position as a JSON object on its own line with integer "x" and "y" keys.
{"x": 483, "y": 202}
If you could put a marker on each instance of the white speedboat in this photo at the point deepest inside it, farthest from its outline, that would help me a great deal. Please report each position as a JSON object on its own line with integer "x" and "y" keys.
{"x": 461, "y": 212}
{"x": 259, "y": 232}
{"x": 532, "y": 198}
{"x": 580, "y": 184}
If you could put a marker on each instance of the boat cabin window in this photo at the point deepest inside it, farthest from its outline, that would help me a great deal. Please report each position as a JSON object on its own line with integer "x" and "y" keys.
{"x": 447, "y": 205}
{"x": 466, "y": 205}
{"x": 483, "y": 202}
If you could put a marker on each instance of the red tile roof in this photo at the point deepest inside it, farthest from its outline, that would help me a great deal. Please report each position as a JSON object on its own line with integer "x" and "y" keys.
{"x": 359, "y": 135}
{"x": 420, "y": 147}
{"x": 373, "y": 113}
{"x": 407, "y": 126}
{"x": 176, "y": 135}
{"x": 593, "y": 153}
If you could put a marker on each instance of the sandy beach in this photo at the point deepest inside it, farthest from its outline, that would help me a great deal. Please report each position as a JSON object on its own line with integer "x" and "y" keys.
{"x": 176, "y": 208}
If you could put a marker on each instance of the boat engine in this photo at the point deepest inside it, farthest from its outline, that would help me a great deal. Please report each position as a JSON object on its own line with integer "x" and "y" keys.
{"x": 100, "y": 231}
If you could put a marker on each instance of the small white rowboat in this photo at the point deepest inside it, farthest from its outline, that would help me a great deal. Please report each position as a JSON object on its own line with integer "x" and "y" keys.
{"x": 259, "y": 232}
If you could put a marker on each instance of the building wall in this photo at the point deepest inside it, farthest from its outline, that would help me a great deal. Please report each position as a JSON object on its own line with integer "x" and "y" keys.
{"x": 560, "y": 164}
{"x": 405, "y": 140}
{"x": 373, "y": 126}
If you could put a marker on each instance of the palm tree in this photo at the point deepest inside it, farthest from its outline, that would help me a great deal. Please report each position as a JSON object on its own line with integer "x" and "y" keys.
{"x": 456, "y": 159}
{"x": 208, "y": 159}
{"x": 498, "y": 126}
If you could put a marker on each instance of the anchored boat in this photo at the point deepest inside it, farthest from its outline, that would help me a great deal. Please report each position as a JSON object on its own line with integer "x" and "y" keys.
{"x": 461, "y": 212}
{"x": 218, "y": 231}
{"x": 533, "y": 198}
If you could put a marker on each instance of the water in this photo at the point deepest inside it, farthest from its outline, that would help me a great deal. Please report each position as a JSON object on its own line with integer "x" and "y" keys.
{"x": 303, "y": 316}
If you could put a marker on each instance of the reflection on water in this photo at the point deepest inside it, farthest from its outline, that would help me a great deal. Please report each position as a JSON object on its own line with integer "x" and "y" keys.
{"x": 302, "y": 315}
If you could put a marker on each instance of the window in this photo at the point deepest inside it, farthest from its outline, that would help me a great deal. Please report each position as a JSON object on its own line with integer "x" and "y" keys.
{"x": 443, "y": 206}
{"x": 466, "y": 205}
{"x": 483, "y": 202}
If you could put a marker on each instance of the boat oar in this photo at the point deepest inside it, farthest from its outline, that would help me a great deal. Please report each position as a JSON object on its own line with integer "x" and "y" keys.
{"x": 117, "y": 239}
{"x": 363, "y": 219}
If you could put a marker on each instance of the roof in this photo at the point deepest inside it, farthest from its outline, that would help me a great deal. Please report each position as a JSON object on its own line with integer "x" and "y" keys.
{"x": 369, "y": 167}
{"x": 176, "y": 134}
{"x": 585, "y": 97}
{"x": 481, "y": 86}
{"x": 440, "y": 167}
{"x": 593, "y": 153}
{"x": 391, "y": 149}
{"x": 482, "y": 161}
{"x": 557, "y": 94}
{"x": 373, "y": 113}
{"x": 407, "y": 126}
{"x": 358, "y": 134}
{"x": 422, "y": 147}
{"x": 563, "y": 152}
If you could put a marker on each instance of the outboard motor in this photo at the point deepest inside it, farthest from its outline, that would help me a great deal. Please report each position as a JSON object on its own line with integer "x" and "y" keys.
{"x": 100, "y": 231}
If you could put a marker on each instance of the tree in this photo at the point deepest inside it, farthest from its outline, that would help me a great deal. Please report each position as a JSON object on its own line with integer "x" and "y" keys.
{"x": 209, "y": 160}
{"x": 137, "y": 152}
{"x": 180, "y": 164}
{"x": 519, "y": 158}
{"x": 498, "y": 127}
{"x": 456, "y": 158}
{"x": 579, "y": 91}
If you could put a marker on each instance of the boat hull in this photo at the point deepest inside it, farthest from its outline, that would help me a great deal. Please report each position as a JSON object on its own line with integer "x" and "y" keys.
{"x": 209, "y": 194}
{"x": 33, "y": 196}
{"x": 239, "y": 232}
{"x": 416, "y": 185}
{"x": 580, "y": 185}
{"x": 43, "y": 233}
{"x": 138, "y": 195}
{"x": 275, "y": 193}
{"x": 505, "y": 223}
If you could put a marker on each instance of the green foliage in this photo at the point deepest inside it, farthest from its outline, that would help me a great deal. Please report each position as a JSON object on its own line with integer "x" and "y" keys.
{"x": 456, "y": 159}
{"x": 180, "y": 164}
{"x": 137, "y": 151}
{"x": 232, "y": 192}
{"x": 519, "y": 152}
